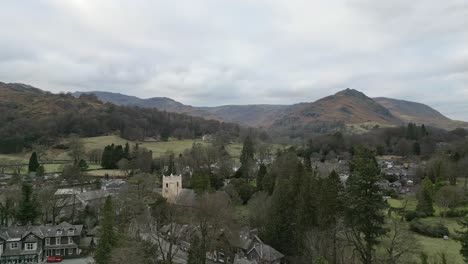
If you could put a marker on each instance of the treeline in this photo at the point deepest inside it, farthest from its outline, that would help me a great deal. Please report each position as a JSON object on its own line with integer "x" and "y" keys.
{"x": 42, "y": 118}
{"x": 410, "y": 140}
{"x": 127, "y": 159}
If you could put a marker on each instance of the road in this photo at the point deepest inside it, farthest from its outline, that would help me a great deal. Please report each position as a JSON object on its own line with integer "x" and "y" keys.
{"x": 78, "y": 261}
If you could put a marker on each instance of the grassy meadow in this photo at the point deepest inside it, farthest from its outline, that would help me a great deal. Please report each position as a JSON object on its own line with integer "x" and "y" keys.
{"x": 433, "y": 246}
{"x": 157, "y": 147}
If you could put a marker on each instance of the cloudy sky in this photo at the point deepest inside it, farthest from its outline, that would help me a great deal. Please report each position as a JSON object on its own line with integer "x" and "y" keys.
{"x": 241, "y": 51}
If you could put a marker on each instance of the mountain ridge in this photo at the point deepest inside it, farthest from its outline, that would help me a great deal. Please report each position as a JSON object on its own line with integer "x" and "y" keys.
{"x": 348, "y": 106}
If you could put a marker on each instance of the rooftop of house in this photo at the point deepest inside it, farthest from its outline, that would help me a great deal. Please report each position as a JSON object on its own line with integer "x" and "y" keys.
{"x": 266, "y": 252}
{"x": 17, "y": 233}
{"x": 92, "y": 195}
{"x": 243, "y": 260}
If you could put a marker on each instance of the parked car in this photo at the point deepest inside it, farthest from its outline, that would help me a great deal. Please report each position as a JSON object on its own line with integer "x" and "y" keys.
{"x": 52, "y": 259}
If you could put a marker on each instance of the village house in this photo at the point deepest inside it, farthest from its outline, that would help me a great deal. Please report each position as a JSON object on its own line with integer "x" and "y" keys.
{"x": 263, "y": 253}
{"x": 32, "y": 244}
{"x": 77, "y": 201}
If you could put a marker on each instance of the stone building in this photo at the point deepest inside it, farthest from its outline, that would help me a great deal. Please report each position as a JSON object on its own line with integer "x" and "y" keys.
{"x": 171, "y": 187}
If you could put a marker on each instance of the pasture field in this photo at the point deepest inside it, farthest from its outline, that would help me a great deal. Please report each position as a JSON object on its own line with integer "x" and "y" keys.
{"x": 433, "y": 247}
{"x": 157, "y": 147}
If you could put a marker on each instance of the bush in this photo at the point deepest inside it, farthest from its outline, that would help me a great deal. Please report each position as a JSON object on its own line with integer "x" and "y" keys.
{"x": 391, "y": 193}
{"x": 411, "y": 215}
{"x": 456, "y": 212}
{"x": 437, "y": 230}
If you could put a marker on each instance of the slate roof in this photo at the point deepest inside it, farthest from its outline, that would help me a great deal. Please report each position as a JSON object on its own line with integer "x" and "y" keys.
{"x": 240, "y": 260}
{"x": 238, "y": 240}
{"x": 51, "y": 231}
{"x": 88, "y": 196}
{"x": 17, "y": 233}
{"x": 266, "y": 252}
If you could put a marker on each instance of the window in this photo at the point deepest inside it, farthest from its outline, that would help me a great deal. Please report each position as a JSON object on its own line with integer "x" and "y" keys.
{"x": 58, "y": 240}
{"x": 167, "y": 185}
{"x": 30, "y": 246}
{"x": 47, "y": 241}
{"x": 70, "y": 251}
{"x": 13, "y": 245}
{"x": 71, "y": 231}
{"x": 59, "y": 232}
{"x": 57, "y": 252}
{"x": 70, "y": 240}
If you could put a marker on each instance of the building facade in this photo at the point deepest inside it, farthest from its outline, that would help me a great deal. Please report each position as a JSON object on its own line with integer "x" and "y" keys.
{"x": 171, "y": 187}
{"x": 32, "y": 244}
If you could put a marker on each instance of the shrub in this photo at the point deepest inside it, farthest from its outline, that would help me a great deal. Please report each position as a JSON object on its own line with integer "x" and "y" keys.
{"x": 432, "y": 230}
{"x": 391, "y": 193}
{"x": 411, "y": 215}
{"x": 456, "y": 212}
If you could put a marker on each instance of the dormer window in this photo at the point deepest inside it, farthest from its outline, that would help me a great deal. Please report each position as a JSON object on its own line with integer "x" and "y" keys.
{"x": 13, "y": 245}
{"x": 31, "y": 246}
{"x": 59, "y": 232}
{"x": 71, "y": 231}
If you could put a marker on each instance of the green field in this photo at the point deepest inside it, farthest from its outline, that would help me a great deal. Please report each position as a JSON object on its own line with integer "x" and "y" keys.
{"x": 434, "y": 246}
{"x": 158, "y": 148}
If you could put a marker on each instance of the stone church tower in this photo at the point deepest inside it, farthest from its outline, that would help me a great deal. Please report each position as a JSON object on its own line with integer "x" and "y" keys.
{"x": 171, "y": 187}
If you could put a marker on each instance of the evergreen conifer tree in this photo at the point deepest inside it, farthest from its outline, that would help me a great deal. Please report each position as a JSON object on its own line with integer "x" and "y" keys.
{"x": 107, "y": 235}
{"x": 27, "y": 211}
{"x": 262, "y": 171}
{"x": 425, "y": 197}
{"x": 364, "y": 204}
{"x": 33, "y": 163}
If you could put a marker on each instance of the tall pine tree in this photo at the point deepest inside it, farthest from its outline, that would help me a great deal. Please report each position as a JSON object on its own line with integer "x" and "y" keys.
{"x": 27, "y": 211}
{"x": 247, "y": 157}
{"x": 107, "y": 235}
{"x": 364, "y": 214}
{"x": 33, "y": 163}
{"x": 262, "y": 171}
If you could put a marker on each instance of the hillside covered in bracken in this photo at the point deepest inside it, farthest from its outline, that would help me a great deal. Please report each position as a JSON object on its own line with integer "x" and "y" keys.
{"x": 32, "y": 115}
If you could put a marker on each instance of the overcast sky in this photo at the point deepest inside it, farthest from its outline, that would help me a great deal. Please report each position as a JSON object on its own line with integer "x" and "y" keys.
{"x": 241, "y": 52}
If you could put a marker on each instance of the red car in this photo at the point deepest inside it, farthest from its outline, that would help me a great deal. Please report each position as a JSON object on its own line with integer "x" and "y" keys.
{"x": 54, "y": 259}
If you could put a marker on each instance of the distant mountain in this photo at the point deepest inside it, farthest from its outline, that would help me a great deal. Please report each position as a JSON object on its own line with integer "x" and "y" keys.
{"x": 249, "y": 115}
{"x": 346, "y": 107}
{"x": 162, "y": 103}
{"x": 332, "y": 112}
{"x": 418, "y": 113}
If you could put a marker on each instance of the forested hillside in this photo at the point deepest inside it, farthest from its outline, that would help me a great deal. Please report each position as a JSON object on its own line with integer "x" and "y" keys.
{"x": 30, "y": 115}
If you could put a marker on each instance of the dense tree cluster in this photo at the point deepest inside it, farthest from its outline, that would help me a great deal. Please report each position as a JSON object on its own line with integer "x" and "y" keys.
{"x": 112, "y": 154}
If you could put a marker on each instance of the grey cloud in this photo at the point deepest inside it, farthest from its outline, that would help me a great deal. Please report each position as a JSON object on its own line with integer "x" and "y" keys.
{"x": 211, "y": 52}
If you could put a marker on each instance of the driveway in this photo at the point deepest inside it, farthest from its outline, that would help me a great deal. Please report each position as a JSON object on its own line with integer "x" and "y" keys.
{"x": 78, "y": 261}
